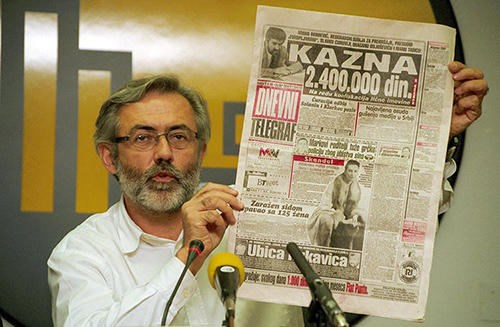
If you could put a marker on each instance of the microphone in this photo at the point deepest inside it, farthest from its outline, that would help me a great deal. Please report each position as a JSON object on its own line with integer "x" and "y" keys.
{"x": 319, "y": 290}
{"x": 226, "y": 274}
{"x": 195, "y": 249}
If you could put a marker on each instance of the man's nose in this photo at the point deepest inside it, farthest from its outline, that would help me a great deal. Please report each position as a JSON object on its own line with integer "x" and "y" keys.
{"x": 162, "y": 150}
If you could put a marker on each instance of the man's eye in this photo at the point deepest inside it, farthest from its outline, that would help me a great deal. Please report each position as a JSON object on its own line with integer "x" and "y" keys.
{"x": 178, "y": 136}
{"x": 142, "y": 138}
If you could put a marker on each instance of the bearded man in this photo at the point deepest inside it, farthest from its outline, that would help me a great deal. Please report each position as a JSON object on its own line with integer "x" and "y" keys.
{"x": 120, "y": 267}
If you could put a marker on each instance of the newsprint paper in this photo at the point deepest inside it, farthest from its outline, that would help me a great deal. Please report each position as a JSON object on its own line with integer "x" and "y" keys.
{"x": 343, "y": 149}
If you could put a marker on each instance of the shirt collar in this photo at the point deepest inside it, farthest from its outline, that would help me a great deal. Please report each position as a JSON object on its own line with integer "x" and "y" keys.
{"x": 130, "y": 235}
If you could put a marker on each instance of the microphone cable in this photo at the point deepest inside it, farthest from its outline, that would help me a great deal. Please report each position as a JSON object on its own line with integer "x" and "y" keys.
{"x": 195, "y": 248}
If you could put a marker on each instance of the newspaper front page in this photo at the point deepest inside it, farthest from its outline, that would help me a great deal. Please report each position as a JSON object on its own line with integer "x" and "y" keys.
{"x": 343, "y": 148}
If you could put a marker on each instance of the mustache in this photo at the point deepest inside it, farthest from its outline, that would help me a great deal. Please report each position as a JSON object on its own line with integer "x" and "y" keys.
{"x": 135, "y": 174}
{"x": 163, "y": 167}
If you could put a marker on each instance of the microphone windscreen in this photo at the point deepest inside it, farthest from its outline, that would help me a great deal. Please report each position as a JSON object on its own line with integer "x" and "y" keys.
{"x": 225, "y": 259}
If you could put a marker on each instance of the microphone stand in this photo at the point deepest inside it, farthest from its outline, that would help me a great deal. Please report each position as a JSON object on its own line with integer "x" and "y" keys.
{"x": 323, "y": 310}
{"x": 314, "y": 316}
{"x": 229, "y": 304}
{"x": 229, "y": 321}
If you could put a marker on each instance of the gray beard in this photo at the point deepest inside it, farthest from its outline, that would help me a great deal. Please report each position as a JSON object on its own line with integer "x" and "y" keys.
{"x": 158, "y": 197}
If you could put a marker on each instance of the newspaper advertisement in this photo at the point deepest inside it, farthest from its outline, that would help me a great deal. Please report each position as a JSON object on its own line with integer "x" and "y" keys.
{"x": 342, "y": 152}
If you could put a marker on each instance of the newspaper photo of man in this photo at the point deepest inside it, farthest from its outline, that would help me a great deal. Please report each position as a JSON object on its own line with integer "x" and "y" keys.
{"x": 338, "y": 221}
{"x": 302, "y": 146}
{"x": 275, "y": 61}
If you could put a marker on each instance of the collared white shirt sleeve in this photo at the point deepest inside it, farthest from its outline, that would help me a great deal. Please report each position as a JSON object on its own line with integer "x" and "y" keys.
{"x": 83, "y": 294}
{"x": 99, "y": 276}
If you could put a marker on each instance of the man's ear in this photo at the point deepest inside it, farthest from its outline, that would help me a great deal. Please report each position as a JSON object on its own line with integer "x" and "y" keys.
{"x": 203, "y": 150}
{"x": 106, "y": 156}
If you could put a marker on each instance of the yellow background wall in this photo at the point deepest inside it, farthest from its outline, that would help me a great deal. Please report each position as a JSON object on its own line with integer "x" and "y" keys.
{"x": 206, "y": 43}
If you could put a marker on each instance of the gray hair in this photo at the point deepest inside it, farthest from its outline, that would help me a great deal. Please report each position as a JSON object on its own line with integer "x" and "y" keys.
{"x": 107, "y": 122}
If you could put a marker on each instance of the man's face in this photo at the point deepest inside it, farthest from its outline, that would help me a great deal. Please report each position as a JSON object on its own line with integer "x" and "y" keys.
{"x": 351, "y": 172}
{"x": 163, "y": 178}
{"x": 273, "y": 45}
{"x": 302, "y": 145}
{"x": 354, "y": 259}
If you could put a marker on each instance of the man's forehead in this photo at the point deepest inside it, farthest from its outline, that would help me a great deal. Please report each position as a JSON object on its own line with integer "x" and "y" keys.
{"x": 157, "y": 109}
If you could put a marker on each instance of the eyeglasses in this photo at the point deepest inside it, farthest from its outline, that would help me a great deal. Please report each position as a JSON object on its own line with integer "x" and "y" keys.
{"x": 145, "y": 140}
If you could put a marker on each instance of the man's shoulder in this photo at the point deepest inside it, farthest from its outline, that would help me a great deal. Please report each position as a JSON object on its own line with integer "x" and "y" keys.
{"x": 339, "y": 180}
{"x": 354, "y": 184}
{"x": 354, "y": 188}
{"x": 94, "y": 231}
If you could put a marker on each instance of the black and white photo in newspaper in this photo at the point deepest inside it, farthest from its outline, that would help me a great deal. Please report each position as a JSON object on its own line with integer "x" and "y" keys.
{"x": 343, "y": 148}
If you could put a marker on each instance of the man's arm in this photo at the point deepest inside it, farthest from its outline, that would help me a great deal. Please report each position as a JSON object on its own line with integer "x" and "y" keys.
{"x": 354, "y": 194}
{"x": 83, "y": 286}
{"x": 283, "y": 71}
{"x": 469, "y": 91}
{"x": 326, "y": 198}
{"x": 353, "y": 198}
{"x": 285, "y": 67}
{"x": 338, "y": 199}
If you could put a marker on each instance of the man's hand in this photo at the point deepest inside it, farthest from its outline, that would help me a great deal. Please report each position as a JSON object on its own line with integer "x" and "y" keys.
{"x": 206, "y": 217}
{"x": 281, "y": 71}
{"x": 470, "y": 88}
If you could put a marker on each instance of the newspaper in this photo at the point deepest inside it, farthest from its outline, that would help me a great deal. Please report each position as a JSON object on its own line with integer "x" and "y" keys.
{"x": 343, "y": 150}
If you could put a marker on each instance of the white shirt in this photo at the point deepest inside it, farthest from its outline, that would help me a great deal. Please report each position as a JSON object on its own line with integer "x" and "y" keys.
{"x": 450, "y": 167}
{"x": 108, "y": 272}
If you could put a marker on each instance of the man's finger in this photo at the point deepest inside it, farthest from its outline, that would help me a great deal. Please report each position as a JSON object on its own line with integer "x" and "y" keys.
{"x": 223, "y": 203}
{"x": 210, "y": 200}
{"x": 468, "y": 74}
{"x": 470, "y": 106}
{"x": 212, "y": 203}
{"x": 478, "y": 87}
{"x": 455, "y": 66}
{"x": 213, "y": 218}
{"x": 216, "y": 187}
